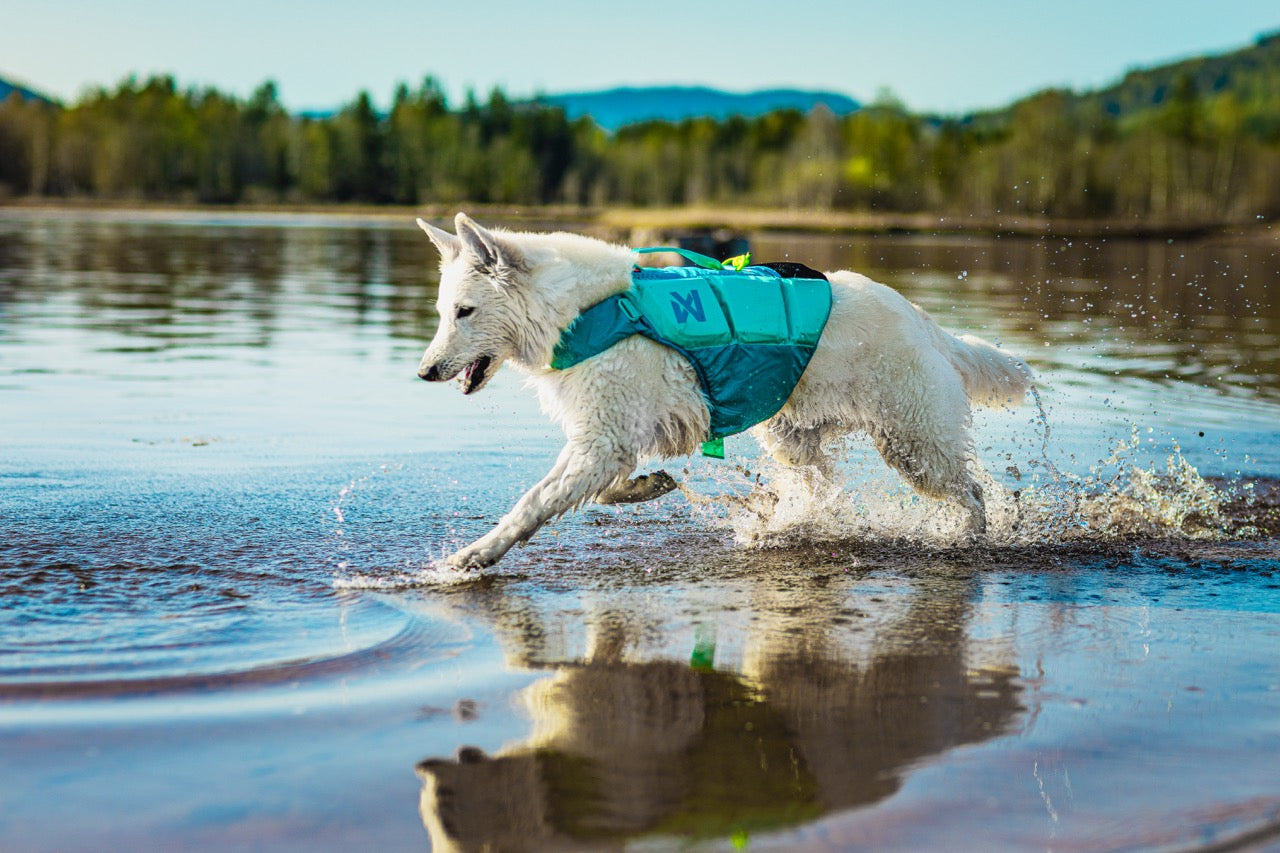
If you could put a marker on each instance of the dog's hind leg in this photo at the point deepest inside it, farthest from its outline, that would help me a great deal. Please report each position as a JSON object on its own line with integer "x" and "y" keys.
{"x": 646, "y": 487}
{"x": 935, "y": 469}
{"x": 581, "y": 472}
{"x": 920, "y": 424}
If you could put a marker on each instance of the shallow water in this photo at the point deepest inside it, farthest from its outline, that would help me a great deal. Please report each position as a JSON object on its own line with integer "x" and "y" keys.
{"x": 223, "y": 488}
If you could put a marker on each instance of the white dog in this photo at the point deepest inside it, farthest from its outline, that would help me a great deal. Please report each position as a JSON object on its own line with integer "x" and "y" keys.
{"x": 882, "y": 366}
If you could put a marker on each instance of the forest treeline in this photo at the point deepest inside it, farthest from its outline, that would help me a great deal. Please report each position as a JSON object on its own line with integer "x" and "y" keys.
{"x": 1198, "y": 149}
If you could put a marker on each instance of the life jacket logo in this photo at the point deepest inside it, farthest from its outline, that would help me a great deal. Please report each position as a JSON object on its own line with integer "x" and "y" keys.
{"x": 688, "y": 305}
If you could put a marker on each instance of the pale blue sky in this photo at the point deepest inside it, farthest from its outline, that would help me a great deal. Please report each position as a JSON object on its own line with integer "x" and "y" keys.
{"x": 941, "y": 55}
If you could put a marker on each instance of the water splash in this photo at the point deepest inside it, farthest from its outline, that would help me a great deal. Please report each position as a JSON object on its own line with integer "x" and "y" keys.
{"x": 1042, "y": 426}
{"x": 368, "y": 548}
{"x": 435, "y": 573}
{"x": 1120, "y": 498}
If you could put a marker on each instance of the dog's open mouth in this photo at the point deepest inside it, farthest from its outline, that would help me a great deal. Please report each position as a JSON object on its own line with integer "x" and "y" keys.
{"x": 475, "y": 374}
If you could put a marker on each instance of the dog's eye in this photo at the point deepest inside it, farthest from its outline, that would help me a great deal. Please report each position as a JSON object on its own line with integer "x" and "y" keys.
{"x": 464, "y": 311}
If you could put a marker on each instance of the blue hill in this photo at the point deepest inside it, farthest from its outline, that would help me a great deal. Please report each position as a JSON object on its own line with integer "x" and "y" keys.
{"x": 7, "y": 88}
{"x": 615, "y": 108}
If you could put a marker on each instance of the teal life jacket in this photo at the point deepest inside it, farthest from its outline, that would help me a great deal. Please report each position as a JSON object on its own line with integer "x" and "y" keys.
{"x": 749, "y": 333}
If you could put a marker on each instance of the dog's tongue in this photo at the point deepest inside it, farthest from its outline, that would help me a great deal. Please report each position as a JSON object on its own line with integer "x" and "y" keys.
{"x": 469, "y": 374}
{"x": 464, "y": 379}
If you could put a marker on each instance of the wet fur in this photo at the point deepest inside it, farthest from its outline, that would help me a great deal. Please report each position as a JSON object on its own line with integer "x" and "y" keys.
{"x": 883, "y": 366}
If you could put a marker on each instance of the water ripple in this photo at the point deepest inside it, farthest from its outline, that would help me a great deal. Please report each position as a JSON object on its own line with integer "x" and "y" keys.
{"x": 72, "y": 632}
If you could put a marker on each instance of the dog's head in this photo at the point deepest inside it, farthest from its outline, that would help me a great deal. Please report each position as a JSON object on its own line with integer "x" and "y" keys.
{"x": 482, "y": 802}
{"x": 480, "y": 312}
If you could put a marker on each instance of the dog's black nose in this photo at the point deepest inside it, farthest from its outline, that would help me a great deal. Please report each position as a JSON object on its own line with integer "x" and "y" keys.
{"x": 431, "y": 374}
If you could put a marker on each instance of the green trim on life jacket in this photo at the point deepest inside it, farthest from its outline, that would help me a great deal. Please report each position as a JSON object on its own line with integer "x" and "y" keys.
{"x": 748, "y": 333}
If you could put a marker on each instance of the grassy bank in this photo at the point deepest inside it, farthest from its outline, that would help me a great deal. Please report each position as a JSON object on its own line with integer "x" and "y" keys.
{"x": 624, "y": 223}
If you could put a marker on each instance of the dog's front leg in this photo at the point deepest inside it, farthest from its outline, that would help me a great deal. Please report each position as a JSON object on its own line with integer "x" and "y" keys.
{"x": 581, "y": 472}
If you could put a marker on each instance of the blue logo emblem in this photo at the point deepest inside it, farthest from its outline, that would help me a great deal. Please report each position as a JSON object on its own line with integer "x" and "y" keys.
{"x": 689, "y": 305}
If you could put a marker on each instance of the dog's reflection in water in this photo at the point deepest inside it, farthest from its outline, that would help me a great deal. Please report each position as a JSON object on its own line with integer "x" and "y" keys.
{"x": 624, "y": 749}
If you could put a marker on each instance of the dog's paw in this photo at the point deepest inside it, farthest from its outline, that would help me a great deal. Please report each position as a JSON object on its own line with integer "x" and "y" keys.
{"x": 472, "y": 558}
{"x": 638, "y": 489}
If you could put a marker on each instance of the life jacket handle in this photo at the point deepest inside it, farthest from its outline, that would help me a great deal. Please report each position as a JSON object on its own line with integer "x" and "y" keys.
{"x": 696, "y": 257}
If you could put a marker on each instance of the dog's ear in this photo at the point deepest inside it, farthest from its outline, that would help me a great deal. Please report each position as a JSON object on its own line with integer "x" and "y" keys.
{"x": 491, "y": 251}
{"x": 448, "y": 245}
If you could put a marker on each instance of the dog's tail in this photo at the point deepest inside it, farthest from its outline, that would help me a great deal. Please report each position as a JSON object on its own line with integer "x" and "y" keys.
{"x": 991, "y": 376}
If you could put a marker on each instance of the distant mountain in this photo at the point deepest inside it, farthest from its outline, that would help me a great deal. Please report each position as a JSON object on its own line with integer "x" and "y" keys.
{"x": 615, "y": 108}
{"x": 7, "y": 88}
{"x": 1250, "y": 76}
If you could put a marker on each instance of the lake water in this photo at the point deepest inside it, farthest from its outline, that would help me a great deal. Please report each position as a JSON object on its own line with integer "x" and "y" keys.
{"x": 223, "y": 487}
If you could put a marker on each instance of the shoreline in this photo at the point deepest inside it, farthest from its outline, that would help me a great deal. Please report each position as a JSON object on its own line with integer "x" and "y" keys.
{"x": 621, "y": 223}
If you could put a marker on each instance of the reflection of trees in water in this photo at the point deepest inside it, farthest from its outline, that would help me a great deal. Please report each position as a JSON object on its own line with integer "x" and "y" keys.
{"x": 624, "y": 746}
{"x": 1197, "y": 310}
{"x": 162, "y": 285}
{"x": 1183, "y": 309}
{"x": 170, "y": 285}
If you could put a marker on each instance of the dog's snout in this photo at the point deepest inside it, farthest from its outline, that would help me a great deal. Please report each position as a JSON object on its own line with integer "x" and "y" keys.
{"x": 430, "y": 374}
